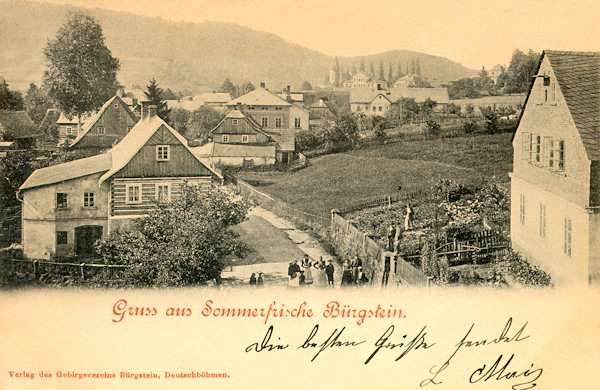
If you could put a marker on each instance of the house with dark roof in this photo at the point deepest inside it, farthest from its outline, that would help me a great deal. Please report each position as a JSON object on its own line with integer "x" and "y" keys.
{"x": 239, "y": 140}
{"x": 321, "y": 112}
{"x": 17, "y": 126}
{"x": 555, "y": 183}
{"x": 107, "y": 126}
{"x": 67, "y": 207}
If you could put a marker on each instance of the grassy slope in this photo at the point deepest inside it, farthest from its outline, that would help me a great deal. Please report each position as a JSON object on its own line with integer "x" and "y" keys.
{"x": 491, "y": 155}
{"x": 340, "y": 180}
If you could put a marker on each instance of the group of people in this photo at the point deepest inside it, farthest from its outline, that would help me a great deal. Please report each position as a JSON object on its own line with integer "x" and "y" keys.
{"x": 302, "y": 274}
{"x": 256, "y": 280}
{"x": 353, "y": 273}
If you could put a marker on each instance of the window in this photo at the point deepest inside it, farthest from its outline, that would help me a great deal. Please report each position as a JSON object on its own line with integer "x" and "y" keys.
{"x": 550, "y": 155}
{"x": 61, "y": 238}
{"x": 374, "y": 108}
{"x": 245, "y": 138}
{"x": 116, "y": 105}
{"x": 264, "y": 121}
{"x": 297, "y": 123}
{"x": 225, "y": 138}
{"x": 251, "y": 107}
{"x": 278, "y": 122}
{"x": 380, "y": 108}
{"x": 542, "y": 220}
{"x": 279, "y": 108}
{"x": 560, "y": 155}
{"x": 68, "y": 130}
{"x": 545, "y": 94}
{"x": 61, "y": 200}
{"x": 88, "y": 199}
{"x": 567, "y": 237}
{"x": 522, "y": 209}
{"x": 235, "y": 122}
{"x": 553, "y": 92}
{"x": 163, "y": 192}
{"x": 134, "y": 194}
{"x": 537, "y": 148}
{"x": 101, "y": 130}
{"x": 357, "y": 108}
{"x": 526, "y": 146}
{"x": 162, "y": 153}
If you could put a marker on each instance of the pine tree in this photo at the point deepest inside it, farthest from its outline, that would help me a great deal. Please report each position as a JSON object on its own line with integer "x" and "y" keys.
{"x": 381, "y": 74}
{"x": 399, "y": 70}
{"x": 371, "y": 69}
{"x": 362, "y": 64}
{"x": 418, "y": 67}
{"x": 154, "y": 94}
{"x": 353, "y": 68}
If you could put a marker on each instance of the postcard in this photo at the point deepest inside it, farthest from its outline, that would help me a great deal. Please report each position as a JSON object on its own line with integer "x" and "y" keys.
{"x": 283, "y": 195}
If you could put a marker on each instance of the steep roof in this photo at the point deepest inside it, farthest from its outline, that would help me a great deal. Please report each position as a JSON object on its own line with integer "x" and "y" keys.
{"x": 63, "y": 119}
{"x": 69, "y": 170}
{"x": 17, "y": 124}
{"x": 92, "y": 121}
{"x": 50, "y": 118}
{"x": 578, "y": 76}
{"x": 439, "y": 95}
{"x": 366, "y": 96}
{"x": 285, "y": 139}
{"x": 239, "y": 114}
{"x": 214, "y": 97}
{"x": 137, "y": 137}
{"x": 259, "y": 97}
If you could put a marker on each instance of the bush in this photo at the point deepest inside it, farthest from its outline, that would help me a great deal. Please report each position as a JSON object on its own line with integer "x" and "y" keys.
{"x": 470, "y": 127}
{"x": 433, "y": 127}
{"x": 490, "y": 119}
{"x": 181, "y": 243}
{"x": 524, "y": 272}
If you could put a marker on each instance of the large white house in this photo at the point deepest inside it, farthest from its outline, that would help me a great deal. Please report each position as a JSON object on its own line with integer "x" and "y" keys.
{"x": 555, "y": 184}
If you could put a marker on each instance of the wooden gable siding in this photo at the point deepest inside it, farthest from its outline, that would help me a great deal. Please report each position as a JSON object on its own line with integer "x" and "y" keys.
{"x": 182, "y": 162}
{"x": 117, "y": 122}
{"x": 118, "y": 188}
{"x": 227, "y": 127}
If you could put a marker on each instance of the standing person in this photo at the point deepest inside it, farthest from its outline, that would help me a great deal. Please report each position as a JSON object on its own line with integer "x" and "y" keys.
{"x": 259, "y": 280}
{"x": 321, "y": 277}
{"x": 362, "y": 278}
{"x": 356, "y": 263}
{"x": 391, "y": 232}
{"x": 408, "y": 217}
{"x": 301, "y": 279}
{"x": 346, "y": 274}
{"x": 293, "y": 271}
{"x": 397, "y": 239}
{"x": 329, "y": 270}
{"x": 253, "y": 279}
{"x": 307, "y": 267}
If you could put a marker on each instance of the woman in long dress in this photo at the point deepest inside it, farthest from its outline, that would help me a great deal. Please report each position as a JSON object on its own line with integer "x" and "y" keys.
{"x": 307, "y": 267}
{"x": 347, "y": 274}
{"x": 321, "y": 279}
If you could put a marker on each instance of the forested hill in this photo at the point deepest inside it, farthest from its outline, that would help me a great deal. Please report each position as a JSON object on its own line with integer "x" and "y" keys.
{"x": 192, "y": 56}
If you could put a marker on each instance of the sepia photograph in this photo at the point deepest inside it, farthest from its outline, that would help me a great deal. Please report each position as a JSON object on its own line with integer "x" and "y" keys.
{"x": 363, "y": 194}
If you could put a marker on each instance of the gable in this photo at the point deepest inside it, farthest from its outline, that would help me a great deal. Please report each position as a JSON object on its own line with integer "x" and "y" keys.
{"x": 181, "y": 163}
{"x": 229, "y": 126}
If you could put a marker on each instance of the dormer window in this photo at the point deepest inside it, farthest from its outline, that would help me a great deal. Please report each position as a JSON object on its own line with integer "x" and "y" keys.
{"x": 234, "y": 122}
{"x": 101, "y": 130}
{"x": 225, "y": 138}
{"x": 163, "y": 153}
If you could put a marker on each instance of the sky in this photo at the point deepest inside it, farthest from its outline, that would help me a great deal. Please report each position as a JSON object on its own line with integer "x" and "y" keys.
{"x": 473, "y": 33}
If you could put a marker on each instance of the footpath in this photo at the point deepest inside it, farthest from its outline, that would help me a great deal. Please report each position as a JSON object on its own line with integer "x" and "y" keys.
{"x": 275, "y": 273}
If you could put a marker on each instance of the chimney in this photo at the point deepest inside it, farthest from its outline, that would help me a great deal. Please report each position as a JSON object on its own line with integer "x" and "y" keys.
{"x": 151, "y": 111}
{"x": 262, "y": 84}
{"x": 288, "y": 89}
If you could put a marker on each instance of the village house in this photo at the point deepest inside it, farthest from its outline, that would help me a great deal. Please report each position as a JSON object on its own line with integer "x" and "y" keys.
{"x": 67, "y": 207}
{"x": 375, "y": 103}
{"x": 496, "y": 71}
{"x": 362, "y": 80}
{"x": 68, "y": 127}
{"x": 321, "y": 112}
{"x": 271, "y": 111}
{"x": 17, "y": 126}
{"x": 555, "y": 183}
{"x": 107, "y": 126}
{"x": 216, "y": 100}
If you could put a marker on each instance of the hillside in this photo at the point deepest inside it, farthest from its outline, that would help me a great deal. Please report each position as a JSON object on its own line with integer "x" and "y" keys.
{"x": 193, "y": 56}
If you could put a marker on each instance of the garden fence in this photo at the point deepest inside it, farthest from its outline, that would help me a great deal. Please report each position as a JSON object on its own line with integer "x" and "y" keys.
{"x": 38, "y": 267}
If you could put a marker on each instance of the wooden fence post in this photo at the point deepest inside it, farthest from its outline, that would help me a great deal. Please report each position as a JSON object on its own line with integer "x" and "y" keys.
{"x": 82, "y": 273}
{"x": 35, "y": 268}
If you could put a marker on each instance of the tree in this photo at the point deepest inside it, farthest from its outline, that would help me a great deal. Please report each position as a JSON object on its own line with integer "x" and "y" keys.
{"x": 10, "y": 100}
{"x": 521, "y": 69}
{"x": 381, "y": 73}
{"x": 228, "y": 87}
{"x": 398, "y": 71}
{"x": 490, "y": 119}
{"x": 371, "y": 68}
{"x": 154, "y": 94}
{"x": 418, "y": 67}
{"x": 245, "y": 88}
{"x": 463, "y": 88}
{"x": 183, "y": 242}
{"x": 306, "y": 86}
{"x": 362, "y": 64}
{"x": 483, "y": 73}
{"x": 390, "y": 78}
{"x": 179, "y": 119}
{"x": 202, "y": 121}
{"x": 36, "y": 103}
{"x": 353, "y": 68}
{"x": 80, "y": 70}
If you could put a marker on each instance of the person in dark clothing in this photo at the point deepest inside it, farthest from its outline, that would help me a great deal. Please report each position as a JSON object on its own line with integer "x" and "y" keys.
{"x": 259, "y": 280}
{"x": 293, "y": 271}
{"x": 356, "y": 263}
{"x": 391, "y": 232}
{"x": 253, "y": 279}
{"x": 301, "y": 279}
{"x": 329, "y": 270}
{"x": 362, "y": 278}
{"x": 347, "y": 275}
